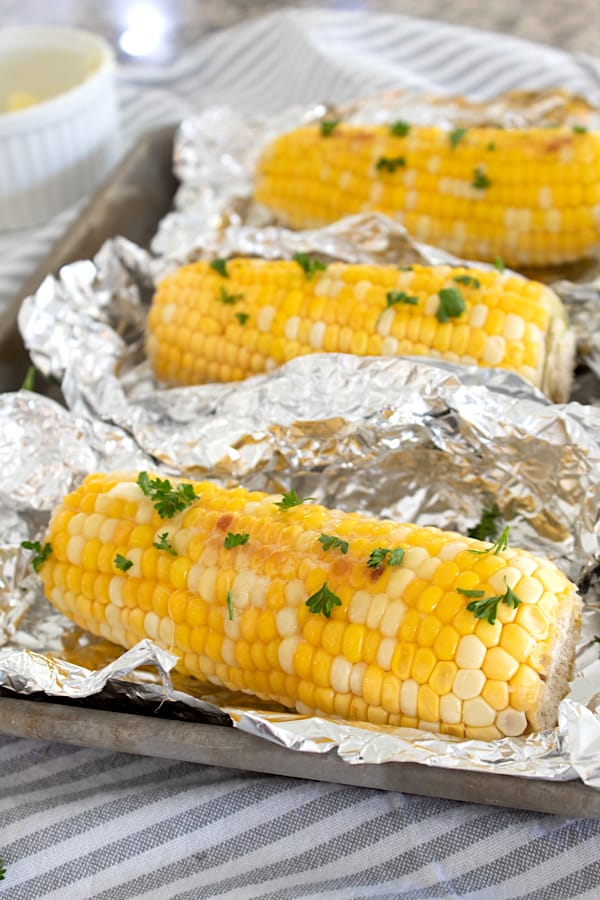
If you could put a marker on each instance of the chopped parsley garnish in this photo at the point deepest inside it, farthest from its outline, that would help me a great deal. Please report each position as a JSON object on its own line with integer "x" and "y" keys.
{"x": 597, "y": 639}
{"x": 467, "y": 280}
{"x": 491, "y": 147}
{"x": 480, "y": 179}
{"x": 29, "y": 380}
{"x": 226, "y": 297}
{"x": 579, "y": 129}
{"x": 499, "y": 264}
{"x": 122, "y": 563}
{"x": 310, "y": 266}
{"x": 2, "y": 870}
{"x": 291, "y": 498}
{"x": 400, "y": 128}
{"x": 230, "y": 606}
{"x": 501, "y": 544}
{"x": 167, "y": 502}
{"x": 330, "y": 541}
{"x": 220, "y": 266}
{"x": 487, "y": 608}
{"x": 235, "y": 540}
{"x": 487, "y": 527}
{"x": 468, "y": 593}
{"x": 456, "y": 136}
{"x": 323, "y": 601}
{"x": 405, "y": 268}
{"x": 41, "y": 554}
{"x": 394, "y": 297}
{"x": 242, "y": 317}
{"x": 380, "y": 555}
{"x": 452, "y": 304}
{"x": 328, "y": 126}
{"x": 390, "y": 164}
{"x": 163, "y": 544}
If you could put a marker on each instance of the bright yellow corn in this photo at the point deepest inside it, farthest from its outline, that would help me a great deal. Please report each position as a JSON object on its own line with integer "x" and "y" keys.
{"x": 225, "y": 583}
{"x": 530, "y": 196}
{"x": 206, "y": 326}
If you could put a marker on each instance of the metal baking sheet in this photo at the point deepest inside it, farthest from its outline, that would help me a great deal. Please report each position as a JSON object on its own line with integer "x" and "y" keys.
{"x": 131, "y": 203}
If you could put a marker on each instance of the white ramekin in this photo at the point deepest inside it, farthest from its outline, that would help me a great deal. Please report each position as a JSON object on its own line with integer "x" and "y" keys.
{"x": 56, "y": 151}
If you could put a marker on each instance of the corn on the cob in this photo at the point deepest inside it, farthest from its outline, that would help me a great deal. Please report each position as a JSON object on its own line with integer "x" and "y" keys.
{"x": 253, "y": 315}
{"x": 530, "y": 196}
{"x": 318, "y": 609}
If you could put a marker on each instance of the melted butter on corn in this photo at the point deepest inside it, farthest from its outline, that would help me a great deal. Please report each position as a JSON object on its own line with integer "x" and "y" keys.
{"x": 401, "y": 649}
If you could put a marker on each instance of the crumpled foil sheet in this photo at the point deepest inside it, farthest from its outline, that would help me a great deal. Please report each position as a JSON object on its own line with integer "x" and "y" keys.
{"x": 414, "y": 439}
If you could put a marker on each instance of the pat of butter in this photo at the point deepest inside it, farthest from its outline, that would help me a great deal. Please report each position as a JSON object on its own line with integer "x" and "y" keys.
{"x": 20, "y": 100}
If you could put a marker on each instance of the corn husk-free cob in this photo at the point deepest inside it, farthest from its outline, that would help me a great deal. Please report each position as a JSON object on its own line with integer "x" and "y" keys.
{"x": 529, "y": 195}
{"x": 317, "y": 609}
{"x": 226, "y": 320}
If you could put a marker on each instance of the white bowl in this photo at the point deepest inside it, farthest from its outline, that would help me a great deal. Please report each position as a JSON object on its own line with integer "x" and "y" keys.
{"x": 55, "y": 151}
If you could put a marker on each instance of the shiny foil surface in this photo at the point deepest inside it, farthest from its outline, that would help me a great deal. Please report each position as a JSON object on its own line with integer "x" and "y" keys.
{"x": 416, "y": 440}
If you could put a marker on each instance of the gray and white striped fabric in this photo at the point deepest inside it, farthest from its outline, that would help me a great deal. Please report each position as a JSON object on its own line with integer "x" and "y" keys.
{"x": 78, "y": 823}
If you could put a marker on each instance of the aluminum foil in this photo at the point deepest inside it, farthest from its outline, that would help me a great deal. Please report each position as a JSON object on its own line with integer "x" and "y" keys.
{"x": 414, "y": 439}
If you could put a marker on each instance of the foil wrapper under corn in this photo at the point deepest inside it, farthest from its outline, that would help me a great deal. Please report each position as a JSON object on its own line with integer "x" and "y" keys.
{"x": 417, "y": 440}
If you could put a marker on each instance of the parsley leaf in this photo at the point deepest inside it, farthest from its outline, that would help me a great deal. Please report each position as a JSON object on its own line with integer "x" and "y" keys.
{"x": 29, "y": 380}
{"x": 163, "y": 544}
{"x": 400, "y": 128}
{"x": 235, "y": 539}
{"x": 122, "y": 563}
{"x": 328, "y": 126}
{"x": 499, "y": 264}
{"x": 468, "y": 593}
{"x": 491, "y": 147}
{"x": 456, "y": 136}
{"x": 452, "y": 304}
{"x": 41, "y": 553}
{"x": 380, "y": 555}
{"x": 220, "y": 266}
{"x": 166, "y": 501}
{"x": 226, "y": 297}
{"x": 597, "y": 639}
{"x": 390, "y": 164}
{"x": 310, "y": 266}
{"x": 467, "y": 280}
{"x": 501, "y": 544}
{"x": 579, "y": 129}
{"x": 2, "y": 870}
{"x": 330, "y": 540}
{"x": 394, "y": 297}
{"x": 323, "y": 601}
{"x": 242, "y": 317}
{"x": 230, "y": 606}
{"x": 487, "y": 608}
{"x": 487, "y": 527}
{"x": 291, "y": 498}
{"x": 480, "y": 179}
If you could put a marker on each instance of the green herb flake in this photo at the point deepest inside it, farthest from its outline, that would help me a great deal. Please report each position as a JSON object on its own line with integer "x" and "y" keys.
{"x": 29, "y": 380}
{"x": 167, "y": 502}
{"x": 122, "y": 563}
{"x": 163, "y": 544}
{"x": 330, "y": 541}
{"x": 309, "y": 266}
{"x": 381, "y": 555}
{"x": 242, "y": 317}
{"x": 480, "y": 179}
{"x": 328, "y": 126}
{"x": 579, "y": 129}
{"x": 491, "y": 147}
{"x": 405, "y": 268}
{"x": 220, "y": 266}
{"x": 501, "y": 544}
{"x": 396, "y": 556}
{"x": 227, "y": 298}
{"x": 41, "y": 553}
{"x": 469, "y": 594}
{"x": 290, "y": 499}
{"x": 2, "y": 870}
{"x": 487, "y": 608}
{"x": 392, "y": 298}
{"x": 452, "y": 304}
{"x": 467, "y": 280}
{"x": 456, "y": 136}
{"x": 230, "y": 606}
{"x": 487, "y": 527}
{"x": 499, "y": 264}
{"x": 597, "y": 639}
{"x": 400, "y": 128}
{"x": 390, "y": 164}
{"x": 323, "y": 601}
{"x": 235, "y": 540}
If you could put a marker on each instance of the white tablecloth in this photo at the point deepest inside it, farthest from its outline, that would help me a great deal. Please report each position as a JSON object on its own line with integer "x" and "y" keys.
{"x": 78, "y": 823}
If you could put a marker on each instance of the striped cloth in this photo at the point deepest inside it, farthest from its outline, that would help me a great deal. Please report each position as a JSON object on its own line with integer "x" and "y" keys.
{"x": 78, "y": 823}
